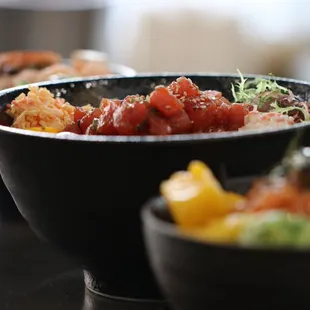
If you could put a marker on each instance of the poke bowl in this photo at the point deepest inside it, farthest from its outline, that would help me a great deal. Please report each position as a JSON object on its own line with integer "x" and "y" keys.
{"x": 80, "y": 174}
{"x": 210, "y": 247}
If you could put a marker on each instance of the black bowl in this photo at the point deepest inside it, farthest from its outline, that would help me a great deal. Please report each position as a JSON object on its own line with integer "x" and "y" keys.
{"x": 8, "y": 209}
{"x": 84, "y": 193}
{"x": 198, "y": 275}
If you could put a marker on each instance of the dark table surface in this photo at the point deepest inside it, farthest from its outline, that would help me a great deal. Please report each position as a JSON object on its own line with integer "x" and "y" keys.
{"x": 34, "y": 276}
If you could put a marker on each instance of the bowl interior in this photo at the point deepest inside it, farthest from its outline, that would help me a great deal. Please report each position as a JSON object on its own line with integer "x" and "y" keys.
{"x": 241, "y": 145}
{"x": 81, "y": 91}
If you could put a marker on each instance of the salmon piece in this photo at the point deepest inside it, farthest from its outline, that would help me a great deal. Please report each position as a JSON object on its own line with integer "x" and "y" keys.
{"x": 14, "y": 61}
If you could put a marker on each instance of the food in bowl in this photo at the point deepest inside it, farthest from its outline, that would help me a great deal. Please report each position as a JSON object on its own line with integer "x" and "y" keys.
{"x": 82, "y": 226}
{"x": 274, "y": 213}
{"x": 178, "y": 108}
{"x": 25, "y": 67}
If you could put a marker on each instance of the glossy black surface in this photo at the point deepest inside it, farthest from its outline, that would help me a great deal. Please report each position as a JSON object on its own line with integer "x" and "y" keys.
{"x": 84, "y": 194}
{"x": 197, "y": 275}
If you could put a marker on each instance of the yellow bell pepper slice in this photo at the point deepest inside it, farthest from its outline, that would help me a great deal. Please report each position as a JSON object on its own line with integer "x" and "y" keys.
{"x": 222, "y": 230}
{"x": 195, "y": 196}
{"x": 46, "y": 129}
{"x": 234, "y": 200}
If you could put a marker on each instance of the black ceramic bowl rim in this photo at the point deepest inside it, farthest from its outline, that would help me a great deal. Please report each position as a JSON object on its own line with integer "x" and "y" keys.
{"x": 180, "y": 138}
{"x": 170, "y": 230}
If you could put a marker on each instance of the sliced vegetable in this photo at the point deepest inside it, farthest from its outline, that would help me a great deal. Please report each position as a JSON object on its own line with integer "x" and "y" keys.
{"x": 222, "y": 230}
{"x": 195, "y": 196}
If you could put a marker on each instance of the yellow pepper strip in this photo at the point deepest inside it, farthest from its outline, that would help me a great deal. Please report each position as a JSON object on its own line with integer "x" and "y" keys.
{"x": 195, "y": 196}
{"x": 222, "y": 230}
{"x": 234, "y": 200}
{"x": 46, "y": 129}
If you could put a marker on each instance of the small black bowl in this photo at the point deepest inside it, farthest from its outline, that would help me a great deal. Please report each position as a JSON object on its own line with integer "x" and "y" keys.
{"x": 84, "y": 193}
{"x": 200, "y": 276}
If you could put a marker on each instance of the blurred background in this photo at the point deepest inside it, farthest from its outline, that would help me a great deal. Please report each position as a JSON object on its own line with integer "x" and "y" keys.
{"x": 256, "y": 36}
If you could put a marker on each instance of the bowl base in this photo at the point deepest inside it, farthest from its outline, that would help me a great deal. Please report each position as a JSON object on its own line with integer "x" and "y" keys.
{"x": 128, "y": 293}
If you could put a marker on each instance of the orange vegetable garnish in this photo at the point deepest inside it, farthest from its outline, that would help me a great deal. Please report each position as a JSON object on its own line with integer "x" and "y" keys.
{"x": 46, "y": 129}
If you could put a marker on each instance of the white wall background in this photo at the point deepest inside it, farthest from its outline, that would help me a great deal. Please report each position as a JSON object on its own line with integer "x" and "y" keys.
{"x": 193, "y": 35}
{"x": 203, "y": 35}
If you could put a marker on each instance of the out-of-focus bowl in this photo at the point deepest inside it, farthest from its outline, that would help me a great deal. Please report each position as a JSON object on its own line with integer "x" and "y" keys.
{"x": 115, "y": 68}
{"x": 197, "y": 275}
{"x": 84, "y": 193}
{"x": 122, "y": 70}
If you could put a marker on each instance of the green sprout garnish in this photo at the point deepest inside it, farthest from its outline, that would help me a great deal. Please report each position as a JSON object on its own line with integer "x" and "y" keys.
{"x": 262, "y": 91}
{"x": 247, "y": 91}
{"x": 286, "y": 110}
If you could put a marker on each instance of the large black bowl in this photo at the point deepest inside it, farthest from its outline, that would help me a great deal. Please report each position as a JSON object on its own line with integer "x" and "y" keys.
{"x": 84, "y": 193}
{"x": 7, "y": 207}
{"x": 200, "y": 276}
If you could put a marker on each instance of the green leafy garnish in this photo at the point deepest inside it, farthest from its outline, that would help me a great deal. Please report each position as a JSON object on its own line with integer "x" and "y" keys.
{"x": 246, "y": 91}
{"x": 268, "y": 96}
{"x": 276, "y": 229}
{"x": 286, "y": 110}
